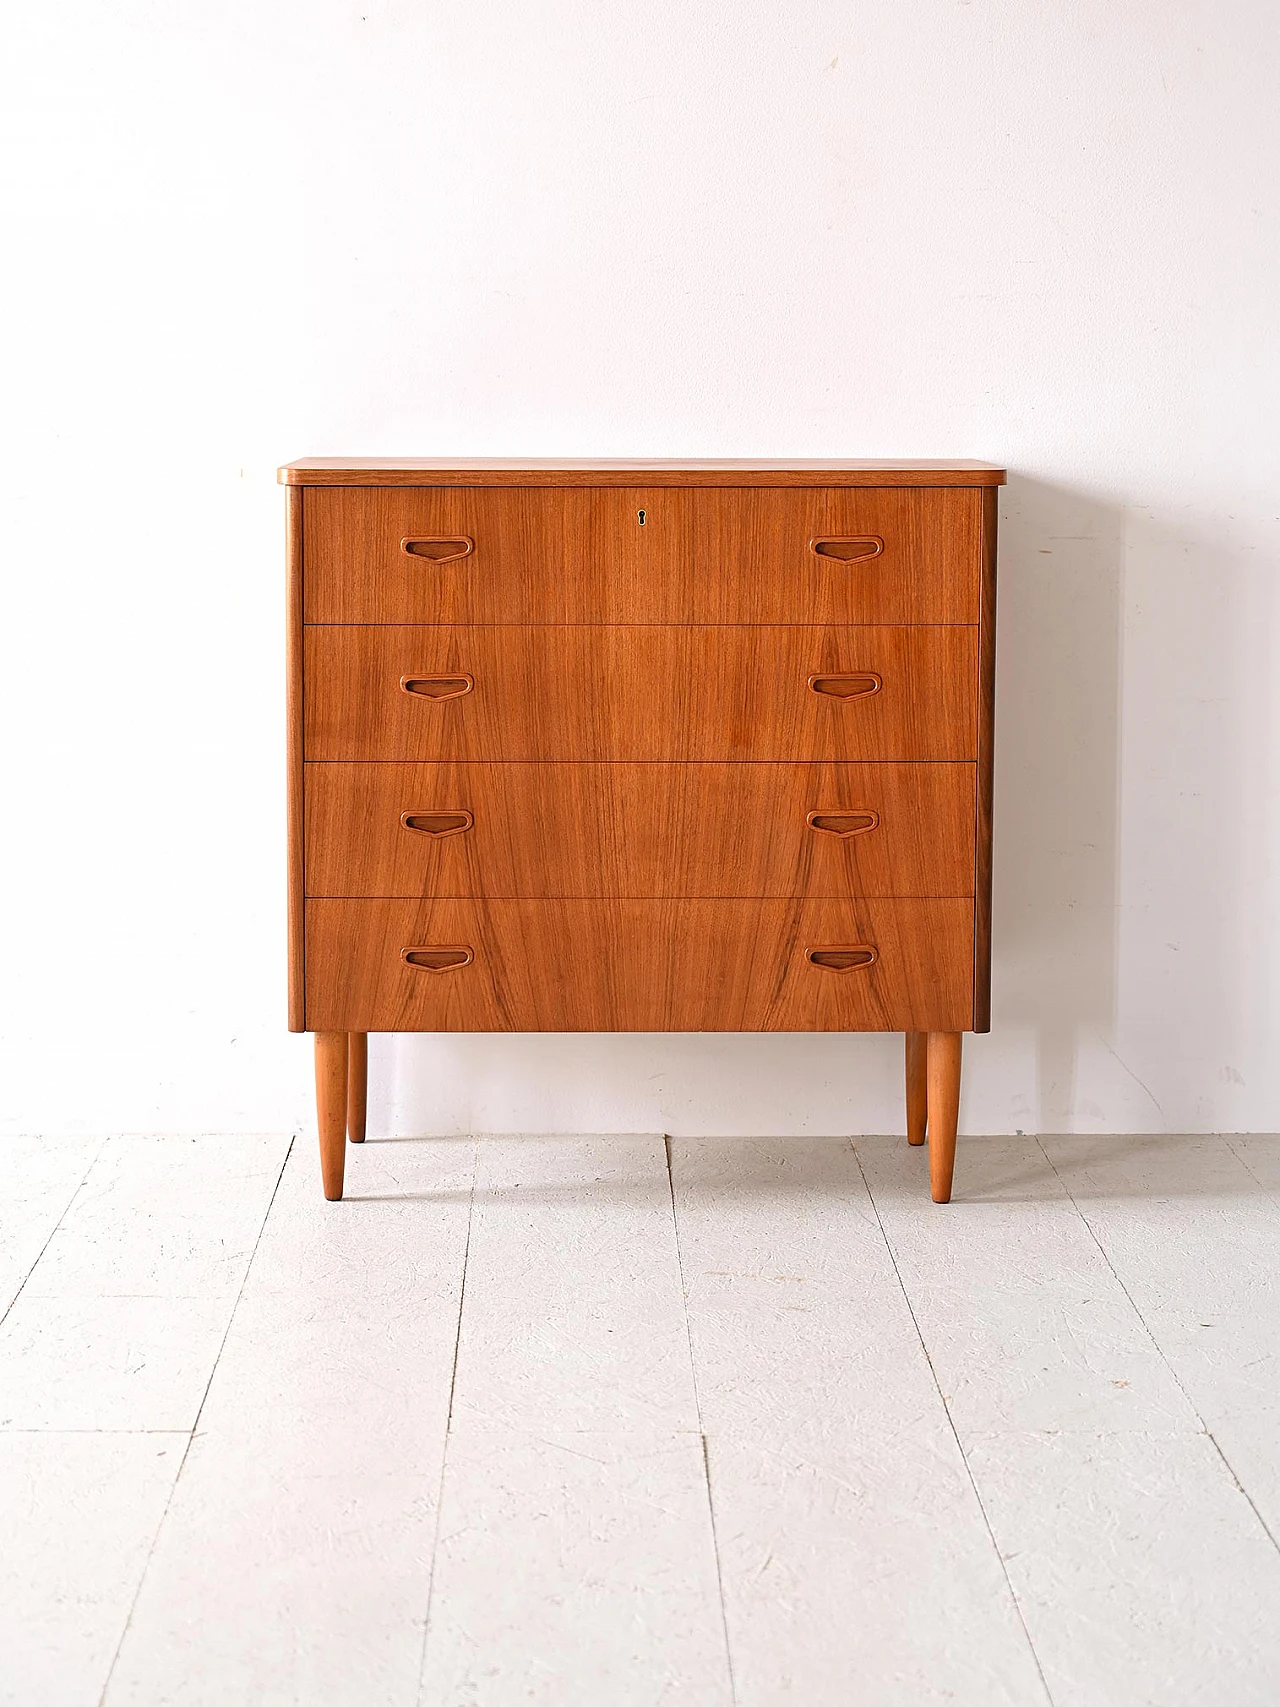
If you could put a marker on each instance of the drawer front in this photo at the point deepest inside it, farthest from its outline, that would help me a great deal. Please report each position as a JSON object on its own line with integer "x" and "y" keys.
{"x": 640, "y": 693}
{"x": 543, "y": 831}
{"x": 739, "y": 554}
{"x": 709, "y": 965}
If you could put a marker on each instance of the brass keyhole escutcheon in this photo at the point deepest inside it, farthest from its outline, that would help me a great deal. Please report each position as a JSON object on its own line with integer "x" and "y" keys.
{"x": 641, "y": 517}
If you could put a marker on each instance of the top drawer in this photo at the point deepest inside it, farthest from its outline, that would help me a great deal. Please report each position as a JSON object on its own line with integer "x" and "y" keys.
{"x": 641, "y": 555}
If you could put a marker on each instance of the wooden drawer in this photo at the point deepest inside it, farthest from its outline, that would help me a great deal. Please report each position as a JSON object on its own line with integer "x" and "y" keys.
{"x": 640, "y": 693}
{"x": 709, "y": 965}
{"x": 655, "y": 830}
{"x": 701, "y": 555}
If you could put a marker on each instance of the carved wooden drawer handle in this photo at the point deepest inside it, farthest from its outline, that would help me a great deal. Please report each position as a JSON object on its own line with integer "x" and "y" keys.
{"x": 851, "y": 959}
{"x": 843, "y": 823}
{"x": 437, "y": 824}
{"x": 856, "y": 685}
{"x": 848, "y": 549}
{"x": 442, "y": 550}
{"x": 437, "y": 687}
{"x": 437, "y": 959}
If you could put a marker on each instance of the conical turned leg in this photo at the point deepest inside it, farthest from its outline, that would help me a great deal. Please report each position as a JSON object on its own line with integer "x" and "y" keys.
{"x": 917, "y": 1086}
{"x": 331, "y": 1108}
{"x": 357, "y": 1083}
{"x": 944, "y": 1110}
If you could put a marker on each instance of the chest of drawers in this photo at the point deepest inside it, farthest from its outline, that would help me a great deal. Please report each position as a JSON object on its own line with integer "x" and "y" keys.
{"x": 640, "y": 747}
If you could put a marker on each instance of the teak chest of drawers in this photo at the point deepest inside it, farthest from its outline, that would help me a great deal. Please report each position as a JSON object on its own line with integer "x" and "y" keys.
{"x": 640, "y": 747}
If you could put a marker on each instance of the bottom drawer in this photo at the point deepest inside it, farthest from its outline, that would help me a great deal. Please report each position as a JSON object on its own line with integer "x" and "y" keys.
{"x": 639, "y": 965}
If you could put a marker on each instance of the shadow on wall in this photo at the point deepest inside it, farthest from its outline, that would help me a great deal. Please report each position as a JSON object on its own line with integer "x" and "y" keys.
{"x": 1056, "y": 860}
{"x": 1134, "y": 896}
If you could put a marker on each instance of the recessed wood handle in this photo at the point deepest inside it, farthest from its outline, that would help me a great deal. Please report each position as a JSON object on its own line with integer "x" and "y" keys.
{"x": 856, "y": 685}
{"x": 848, "y": 548}
{"x": 437, "y": 824}
{"x": 850, "y": 959}
{"x": 843, "y": 823}
{"x": 439, "y": 550}
{"x": 437, "y": 687}
{"x": 437, "y": 959}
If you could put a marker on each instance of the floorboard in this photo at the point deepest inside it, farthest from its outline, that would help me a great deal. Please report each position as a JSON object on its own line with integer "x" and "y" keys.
{"x": 605, "y": 1422}
{"x": 852, "y": 1545}
{"x": 1191, "y": 1227}
{"x": 1143, "y": 1573}
{"x": 1025, "y": 1322}
{"x": 576, "y": 1562}
{"x": 293, "y": 1565}
{"x": 42, "y": 1176}
{"x": 1140, "y": 1567}
{"x": 121, "y": 1320}
{"x": 78, "y": 1514}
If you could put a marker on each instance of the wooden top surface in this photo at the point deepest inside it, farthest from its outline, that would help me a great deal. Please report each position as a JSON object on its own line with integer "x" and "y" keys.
{"x": 693, "y": 471}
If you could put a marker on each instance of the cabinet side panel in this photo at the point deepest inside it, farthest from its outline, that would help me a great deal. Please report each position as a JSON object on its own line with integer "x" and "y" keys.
{"x": 986, "y": 747}
{"x": 293, "y": 730}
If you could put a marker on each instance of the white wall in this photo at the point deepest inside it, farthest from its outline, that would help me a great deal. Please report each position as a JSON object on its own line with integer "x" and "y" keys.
{"x": 245, "y": 230}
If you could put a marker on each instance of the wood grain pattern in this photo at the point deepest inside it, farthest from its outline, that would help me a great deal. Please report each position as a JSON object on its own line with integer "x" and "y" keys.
{"x": 596, "y": 746}
{"x": 295, "y": 807}
{"x": 582, "y": 555}
{"x": 552, "y": 471}
{"x": 640, "y": 693}
{"x": 543, "y": 831}
{"x": 986, "y": 764}
{"x": 640, "y": 966}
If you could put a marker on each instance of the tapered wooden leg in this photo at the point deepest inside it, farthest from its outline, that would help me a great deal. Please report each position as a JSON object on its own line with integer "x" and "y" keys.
{"x": 944, "y": 1110}
{"x": 331, "y": 1108}
{"x": 357, "y": 1083}
{"x": 917, "y": 1086}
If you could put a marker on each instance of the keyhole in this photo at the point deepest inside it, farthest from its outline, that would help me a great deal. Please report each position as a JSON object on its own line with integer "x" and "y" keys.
{"x": 640, "y": 517}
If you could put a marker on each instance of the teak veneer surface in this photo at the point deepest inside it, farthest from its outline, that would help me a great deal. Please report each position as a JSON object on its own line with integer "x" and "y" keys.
{"x": 699, "y": 745}
{"x": 540, "y": 555}
{"x": 640, "y": 693}
{"x": 555, "y": 471}
{"x": 623, "y": 965}
{"x": 640, "y": 830}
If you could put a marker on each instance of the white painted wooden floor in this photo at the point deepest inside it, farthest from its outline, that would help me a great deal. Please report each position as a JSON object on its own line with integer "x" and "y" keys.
{"x": 604, "y": 1421}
